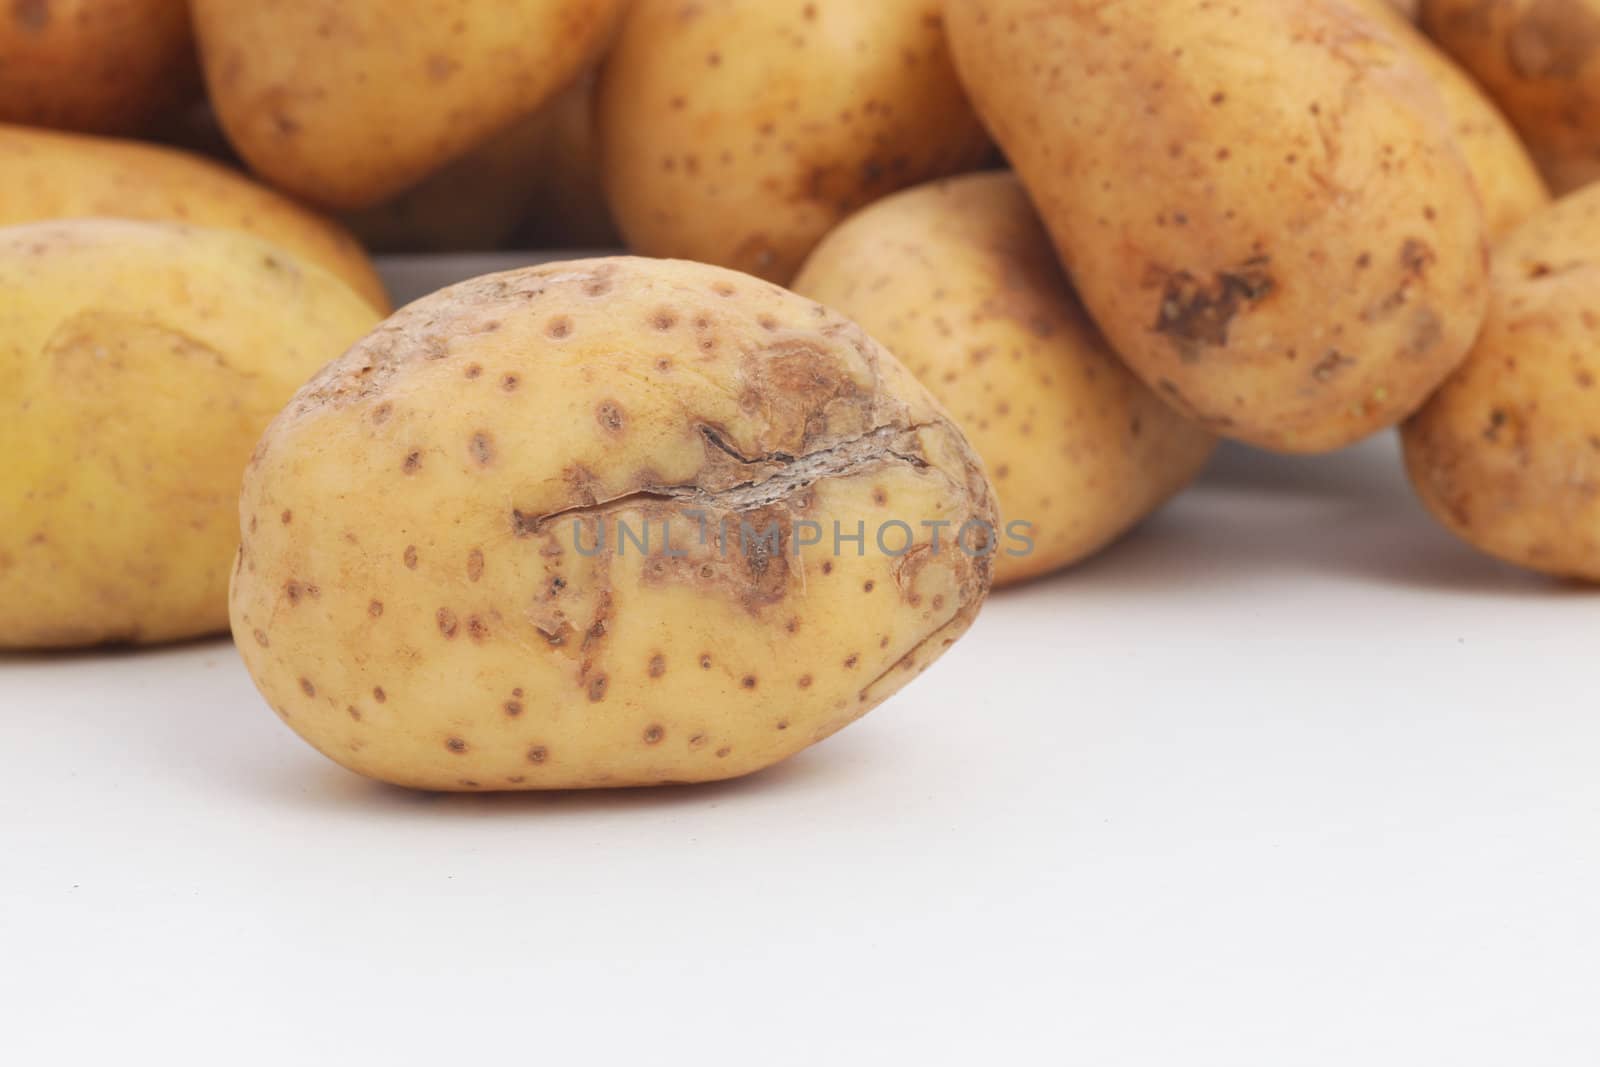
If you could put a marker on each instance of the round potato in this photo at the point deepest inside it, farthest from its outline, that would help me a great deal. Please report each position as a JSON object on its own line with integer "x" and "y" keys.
{"x": 45, "y": 175}
{"x": 1508, "y": 180}
{"x": 1540, "y": 60}
{"x": 738, "y": 132}
{"x": 1507, "y": 454}
{"x": 139, "y": 363}
{"x": 580, "y": 525}
{"x": 98, "y": 66}
{"x": 957, "y": 279}
{"x": 348, "y": 103}
{"x": 1258, "y": 202}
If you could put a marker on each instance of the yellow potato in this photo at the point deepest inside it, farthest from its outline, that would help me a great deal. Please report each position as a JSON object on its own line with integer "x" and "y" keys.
{"x": 100, "y": 66}
{"x": 47, "y": 175}
{"x": 1508, "y": 179}
{"x": 958, "y": 280}
{"x": 1540, "y": 60}
{"x": 1258, "y": 202}
{"x": 138, "y": 363}
{"x": 738, "y": 132}
{"x": 423, "y": 591}
{"x": 1507, "y": 454}
{"x": 350, "y": 102}
{"x": 535, "y": 184}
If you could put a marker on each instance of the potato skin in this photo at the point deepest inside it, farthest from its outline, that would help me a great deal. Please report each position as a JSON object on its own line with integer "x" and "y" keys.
{"x": 1540, "y": 60}
{"x": 138, "y": 364}
{"x": 957, "y": 278}
{"x": 1507, "y": 453}
{"x": 429, "y": 618}
{"x": 1258, "y": 202}
{"x": 96, "y": 66}
{"x": 1508, "y": 180}
{"x": 348, "y": 103}
{"x": 45, "y": 175}
{"x": 738, "y": 132}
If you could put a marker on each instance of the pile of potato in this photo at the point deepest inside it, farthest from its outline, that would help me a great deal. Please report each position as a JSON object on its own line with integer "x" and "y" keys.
{"x": 999, "y": 272}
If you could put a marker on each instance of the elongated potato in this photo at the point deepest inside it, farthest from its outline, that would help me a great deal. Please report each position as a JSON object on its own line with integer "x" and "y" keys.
{"x": 46, "y": 175}
{"x": 350, "y": 102}
{"x": 139, "y": 361}
{"x": 1540, "y": 60}
{"x": 602, "y": 523}
{"x": 1508, "y": 180}
{"x": 99, "y": 66}
{"x": 958, "y": 279}
{"x": 1507, "y": 454}
{"x": 738, "y": 132}
{"x": 1259, "y": 202}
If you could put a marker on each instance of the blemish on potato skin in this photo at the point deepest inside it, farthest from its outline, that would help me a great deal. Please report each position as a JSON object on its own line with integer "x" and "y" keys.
{"x": 653, "y": 734}
{"x": 375, "y": 609}
{"x": 722, "y": 753}
{"x": 705, "y": 661}
{"x": 353, "y": 712}
{"x": 482, "y": 448}
{"x": 510, "y": 382}
{"x": 475, "y": 564}
{"x": 412, "y": 462}
{"x": 474, "y": 370}
{"x": 610, "y": 415}
{"x": 456, "y": 745}
{"x": 558, "y": 328}
{"x": 261, "y": 637}
{"x": 658, "y": 665}
{"x": 378, "y": 694}
{"x": 512, "y": 707}
{"x": 446, "y": 620}
{"x": 663, "y": 320}
{"x": 307, "y": 688}
{"x": 477, "y": 629}
{"x": 410, "y": 557}
{"x": 748, "y": 681}
{"x": 538, "y": 754}
{"x": 597, "y": 689}
{"x": 805, "y": 681}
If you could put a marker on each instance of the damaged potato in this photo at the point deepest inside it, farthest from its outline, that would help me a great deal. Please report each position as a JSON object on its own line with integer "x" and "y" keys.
{"x": 46, "y": 175}
{"x": 1507, "y": 454}
{"x": 348, "y": 103}
{"x": 958, "y": 279}
{"x": 1508, "y": 180}
{"x": 1281, "y": 238}
{"x": 738, "y": 132}
{"x": 579, "y": 525}
{"x": 141, "y": 361}
{"x": 1540, "y": 60}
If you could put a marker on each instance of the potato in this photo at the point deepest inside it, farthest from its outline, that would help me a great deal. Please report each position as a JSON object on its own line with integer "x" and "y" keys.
{"x": 738, "y": 132}
{"x": 139, "y": 361}
{"x": 99, "y": 66}
{"x": 58, "y": 175}
{"x": 535, "y": 184}
{"x": 957, "y": 279}
{"x": 423, "y": 592}
{"x": 1540, "y": 60}
{"x": 350, "y": 102}
{"x": 1508, "y": 180}
{"x": 1258, "y": 202}
{"x": 1408, "y": 8}
{"x": 1507, "y": 454}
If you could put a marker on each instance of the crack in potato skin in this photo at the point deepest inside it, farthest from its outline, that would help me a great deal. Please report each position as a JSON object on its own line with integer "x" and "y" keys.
{"x": 640, "y": 390}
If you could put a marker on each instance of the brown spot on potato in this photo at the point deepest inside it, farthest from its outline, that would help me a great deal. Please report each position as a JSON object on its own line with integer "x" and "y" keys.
{"x": 477, "y": 629}
{"x": 512, "y": 708}
{"x": 1328, "y": 367}
{"x": 538, "y": 754}
{"x": 705, "y": 661}
{"x": 261, "y": 637}
{"x": 658, "y": 665}
{"x": 663, "y": 320}
{"x": 597, "y": 689}
{"x": 510, "y": 382}
{"x": 653, "y": 734}
{"x": 413, "y": 462}
{"x": 783, "y": 724}
{"x": 1194, "y": 314}
{"x": 410, "y": 557}
{"x": 455, "y": 744}
{"x": 375, "y": 608}
{"x": 474, "y": 370}
{"x": 610, "y": 416}
{"x": 723, "y": 752}
{"x": 307, "y": 688}
{"x": 381, "y": 413}
{"x": 287, "y": 517}
{"x": 805, "y": 681}
{"x": 474, "y": 564}
{"x": 558, "y": 327}
{"x": 446, "y": 620}
{"x": 851, "y": 660}
{"x": 353, "y": 712}
{"x": 482, "y": 448}
{"x": 748, "y": 681}
{"x": 378, "y": 694}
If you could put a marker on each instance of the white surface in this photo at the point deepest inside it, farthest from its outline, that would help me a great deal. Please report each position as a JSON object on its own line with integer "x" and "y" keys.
{"x": 1286, "y": 779}
{"x": 1289, "y": 778}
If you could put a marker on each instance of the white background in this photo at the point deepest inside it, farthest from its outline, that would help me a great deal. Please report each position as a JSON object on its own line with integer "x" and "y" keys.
{"x": 1288, "y": 778}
